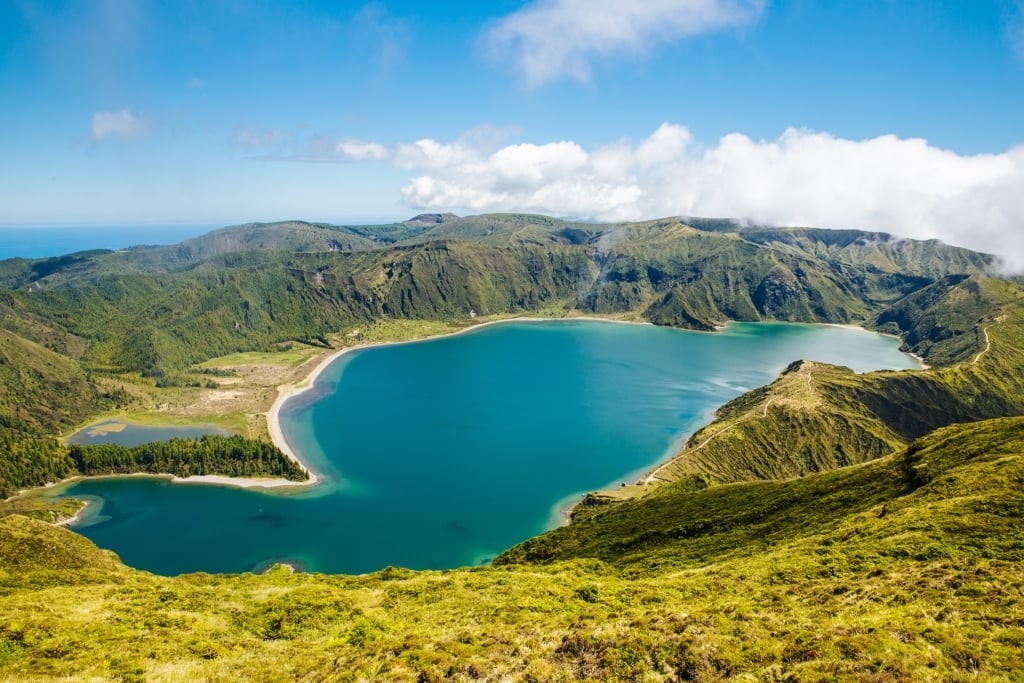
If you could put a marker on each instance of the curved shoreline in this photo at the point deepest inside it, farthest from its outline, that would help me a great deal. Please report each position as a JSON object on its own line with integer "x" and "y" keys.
{"x": 285, "y": 392}
{"x": 291, "y": 390}
{"x": 75, "y": 518}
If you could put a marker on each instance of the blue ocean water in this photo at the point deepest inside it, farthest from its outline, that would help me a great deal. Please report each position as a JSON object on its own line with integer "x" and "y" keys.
{"x": 44, "y": 241}
{"x": 443, "y": 453}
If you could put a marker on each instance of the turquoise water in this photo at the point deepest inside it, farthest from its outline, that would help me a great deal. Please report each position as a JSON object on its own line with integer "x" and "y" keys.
{"x": 127, "y": 434}
{"x": 443, "y": 453}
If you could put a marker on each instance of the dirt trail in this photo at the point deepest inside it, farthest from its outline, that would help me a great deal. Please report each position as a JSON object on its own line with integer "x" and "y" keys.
{"x": 988, "y": 345}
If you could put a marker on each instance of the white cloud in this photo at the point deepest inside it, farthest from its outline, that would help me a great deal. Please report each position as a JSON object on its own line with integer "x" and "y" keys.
{"x": 119, "y": 124}
{"x": 551, "y": 39}
{"x": 360, "y": 150}
{"x": 195, "y": 83}
{"x": 902, "y": 186}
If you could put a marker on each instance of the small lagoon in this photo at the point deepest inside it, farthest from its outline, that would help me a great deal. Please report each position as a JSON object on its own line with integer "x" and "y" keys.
{"x": 445, "y": 452}
{"x": 130, "y": 434}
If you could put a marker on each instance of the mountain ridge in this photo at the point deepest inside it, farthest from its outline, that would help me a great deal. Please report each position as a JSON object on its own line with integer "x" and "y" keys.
{"x": 826, "y": 526}
{"x": 259, "y": 286}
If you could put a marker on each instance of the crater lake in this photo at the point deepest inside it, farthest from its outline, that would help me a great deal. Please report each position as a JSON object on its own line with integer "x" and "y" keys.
{"x": 444, "y": 452}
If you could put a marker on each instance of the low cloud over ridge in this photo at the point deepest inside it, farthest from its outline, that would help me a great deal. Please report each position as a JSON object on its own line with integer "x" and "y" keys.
{"x": 903, "y": 186}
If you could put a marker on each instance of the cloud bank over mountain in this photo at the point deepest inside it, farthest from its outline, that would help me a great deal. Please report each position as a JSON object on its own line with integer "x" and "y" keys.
{"x": 902, "y": 186}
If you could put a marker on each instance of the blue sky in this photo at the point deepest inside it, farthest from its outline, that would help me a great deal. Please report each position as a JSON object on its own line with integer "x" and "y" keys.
{"x": 901, "y": 115}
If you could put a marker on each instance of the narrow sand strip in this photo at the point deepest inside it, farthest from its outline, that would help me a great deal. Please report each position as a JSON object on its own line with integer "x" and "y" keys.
{"x": 241, "y": 482}
{"x": 76, "y": 518}
{"x": 288, "y": 391}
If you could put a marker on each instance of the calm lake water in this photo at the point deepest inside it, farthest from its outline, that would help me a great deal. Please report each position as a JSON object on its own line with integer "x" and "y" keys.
{"x": 443, "y": 453}
{"x": 128, "y": 434}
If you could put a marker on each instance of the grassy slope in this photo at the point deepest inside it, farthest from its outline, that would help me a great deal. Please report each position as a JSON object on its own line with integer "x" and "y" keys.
{"x": 817, "y": 417}
{"x": 42, "y": 388}
{"x": 907, "y": 567}
{"x": 144, "y": 318}
{"x": 903, "y": 569}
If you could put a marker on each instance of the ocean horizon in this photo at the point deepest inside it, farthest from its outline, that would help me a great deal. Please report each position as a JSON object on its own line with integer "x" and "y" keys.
{"x": 46, "y": 240}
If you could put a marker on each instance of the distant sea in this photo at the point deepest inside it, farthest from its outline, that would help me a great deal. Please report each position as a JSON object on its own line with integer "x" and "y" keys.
{"x": 57, "y": 240}
{"x": 44, "y": 241}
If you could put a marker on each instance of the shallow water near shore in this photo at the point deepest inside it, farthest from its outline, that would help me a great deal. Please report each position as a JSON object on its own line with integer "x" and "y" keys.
{"x": 445, "y": 452}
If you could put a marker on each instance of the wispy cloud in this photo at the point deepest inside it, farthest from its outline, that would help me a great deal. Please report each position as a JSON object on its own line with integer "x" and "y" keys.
{"x": 92, "y": 41}
{"x": 360, "y": 150}
{"x": 552, "y": 39}
{"x": 325, "y": 148}
{"x": 119, "y": 124}
{"x": 1015, "y": 28}
{"x": 195, "y": 83}
{"x": 280, "y": 145}
{"x": 902, "y": 186}
{"x": 250, "y": 136}
{"x": 389, "y": 36}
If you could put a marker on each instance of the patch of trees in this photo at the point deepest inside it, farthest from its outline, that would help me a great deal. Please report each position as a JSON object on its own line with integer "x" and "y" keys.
{"x": 28, "y": 460}
{"x": 232, "y": 456}
{"x": 31, "y": 460}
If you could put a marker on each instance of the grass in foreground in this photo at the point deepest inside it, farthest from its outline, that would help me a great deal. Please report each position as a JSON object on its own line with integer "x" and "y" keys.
{"x": 905, "y": 569}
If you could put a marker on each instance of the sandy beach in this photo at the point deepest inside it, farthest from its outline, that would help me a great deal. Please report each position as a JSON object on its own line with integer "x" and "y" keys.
{"x": 241, "y": 482}
{"x": 284, "y": 393}
{"x": 288, "y": 391}
{"x": 76, "y": 518}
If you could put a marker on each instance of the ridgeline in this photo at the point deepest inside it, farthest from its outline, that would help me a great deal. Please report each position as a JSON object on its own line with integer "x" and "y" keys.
{"x": 827, "y": 526}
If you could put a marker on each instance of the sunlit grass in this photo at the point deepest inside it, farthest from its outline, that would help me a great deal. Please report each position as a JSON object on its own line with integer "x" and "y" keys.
{"x": 292, "y": 357}
{"x": 905, "y": 569}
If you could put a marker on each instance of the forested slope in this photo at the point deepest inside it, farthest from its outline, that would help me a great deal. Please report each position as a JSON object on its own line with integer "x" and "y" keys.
{"x": 881, "y": 542}
{"x": 151, "y": 314}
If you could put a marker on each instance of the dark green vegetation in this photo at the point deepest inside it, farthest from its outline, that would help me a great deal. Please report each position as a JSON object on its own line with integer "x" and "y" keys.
{"x": 209, "y": 454}
{"x": 827, "y": 526}
{"x": 817, "y": 417}
{"x": 31, "y": 460}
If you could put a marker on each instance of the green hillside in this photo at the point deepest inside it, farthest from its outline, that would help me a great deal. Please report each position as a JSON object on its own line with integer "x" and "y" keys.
{"x": 828, "y": 526}
{"x": 111, "y": 326}
{"x": 154, "y": 319}
{"x": 817, "y": 417}
{"x": 903, "y": 569}
{"x": 88, "y": 332}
